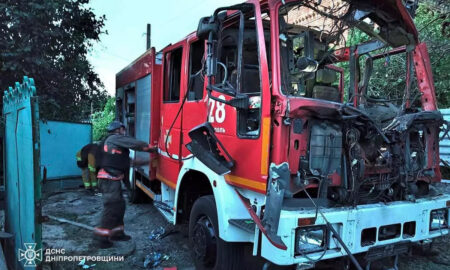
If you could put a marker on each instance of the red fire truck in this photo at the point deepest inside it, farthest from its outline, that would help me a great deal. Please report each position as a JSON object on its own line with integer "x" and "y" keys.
{"x": 272, "y": 133}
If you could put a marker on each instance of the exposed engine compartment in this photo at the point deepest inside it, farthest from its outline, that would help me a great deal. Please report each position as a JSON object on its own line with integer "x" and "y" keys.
{"x": 359, "y": 159}
{"x": 373, "y": 141}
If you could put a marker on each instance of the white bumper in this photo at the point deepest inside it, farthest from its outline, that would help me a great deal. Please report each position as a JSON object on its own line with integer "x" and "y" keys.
{"x": 350, "y": 222}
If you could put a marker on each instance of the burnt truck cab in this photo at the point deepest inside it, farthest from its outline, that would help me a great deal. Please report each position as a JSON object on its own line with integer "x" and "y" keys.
{"x": 311, "y": 128}
{"x": 340, "y": 143}
{"x": 276, "y": 129}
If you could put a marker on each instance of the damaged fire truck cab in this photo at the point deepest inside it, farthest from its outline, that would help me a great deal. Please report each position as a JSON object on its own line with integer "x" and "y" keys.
{"x": 275, "y": 131}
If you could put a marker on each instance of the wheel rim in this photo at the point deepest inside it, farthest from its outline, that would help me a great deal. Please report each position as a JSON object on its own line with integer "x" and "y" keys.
{"x": 204, "y": 241}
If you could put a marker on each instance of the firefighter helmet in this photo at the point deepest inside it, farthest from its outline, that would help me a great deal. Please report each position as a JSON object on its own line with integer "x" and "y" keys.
{"x": 115, "y": 125}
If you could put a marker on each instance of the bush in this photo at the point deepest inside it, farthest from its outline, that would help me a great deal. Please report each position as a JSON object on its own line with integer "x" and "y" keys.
{"x": 101, "y": 120}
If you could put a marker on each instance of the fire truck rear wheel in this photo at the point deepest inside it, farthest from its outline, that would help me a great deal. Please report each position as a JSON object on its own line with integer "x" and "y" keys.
{"x": 135, "y": 194}
{"x": 208, "y": 250}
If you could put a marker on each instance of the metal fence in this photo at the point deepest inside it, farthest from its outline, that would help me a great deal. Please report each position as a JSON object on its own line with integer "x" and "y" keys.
{"x": 60, "y": 141}
{"x": 22, "y": 180}
{"x": 444, "y": 145}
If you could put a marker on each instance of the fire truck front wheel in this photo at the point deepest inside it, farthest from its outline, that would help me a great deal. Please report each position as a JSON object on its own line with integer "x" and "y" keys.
{"x": 208, "y": 250}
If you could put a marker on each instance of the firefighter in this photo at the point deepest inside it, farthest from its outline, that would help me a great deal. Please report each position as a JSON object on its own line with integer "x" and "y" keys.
{"x": 114, "y": 164}
{"x": 86, "y": 162}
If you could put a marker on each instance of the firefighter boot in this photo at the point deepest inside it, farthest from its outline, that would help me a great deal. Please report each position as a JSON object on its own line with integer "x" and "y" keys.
{"x": 102, "y": 243}
{"x": 120, "y": 236}
{"x": 101, "y": 238}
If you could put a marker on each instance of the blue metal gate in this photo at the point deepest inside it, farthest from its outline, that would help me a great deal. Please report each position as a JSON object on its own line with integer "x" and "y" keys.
{"x": 58, "y": 156}
{"x": 22, "y": 177}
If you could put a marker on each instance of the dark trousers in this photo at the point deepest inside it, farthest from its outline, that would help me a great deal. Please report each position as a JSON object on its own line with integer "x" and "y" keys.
{"x": 113, "y": 209}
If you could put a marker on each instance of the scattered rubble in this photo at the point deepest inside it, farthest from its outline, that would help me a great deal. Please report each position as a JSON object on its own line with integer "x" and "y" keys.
{"x": 76, "y": 206}
{"x": 86, "y": 266}
{"x": 154, "y": 259}
{"x": 157, "y": 233}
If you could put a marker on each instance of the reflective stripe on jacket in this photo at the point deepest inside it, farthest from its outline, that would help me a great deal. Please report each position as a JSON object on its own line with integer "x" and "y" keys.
{"x": 102, "y": 174}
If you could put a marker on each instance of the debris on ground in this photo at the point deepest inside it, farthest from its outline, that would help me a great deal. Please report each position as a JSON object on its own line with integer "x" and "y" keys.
{"x": 160, "y": 233}
{"x": 140, "y": 219}
{"x": 157, "y": 233}
{"x": 154, "y": 259}
{"x": 63, "y": 220}
{"x": 86, "y": 266}
{"x": 168, "y": 232}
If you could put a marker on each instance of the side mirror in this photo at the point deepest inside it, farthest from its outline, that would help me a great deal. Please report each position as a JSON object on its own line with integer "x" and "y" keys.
{"x": 207, "y": 25}
{"x": 239, "y": 101}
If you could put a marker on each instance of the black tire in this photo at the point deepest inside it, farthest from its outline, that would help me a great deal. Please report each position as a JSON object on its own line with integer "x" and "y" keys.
{"x": 135, "y": 194}
{"x": 207, "y": 249}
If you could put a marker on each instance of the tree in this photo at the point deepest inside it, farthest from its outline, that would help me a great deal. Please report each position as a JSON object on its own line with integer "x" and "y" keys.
{"x": 431, "y": 21}
{"x": 388, "y": 76}
{"x": 49, "y": 41}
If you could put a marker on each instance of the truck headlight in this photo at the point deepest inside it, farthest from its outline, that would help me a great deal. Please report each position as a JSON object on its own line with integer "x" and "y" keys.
{"x": 310, "y": 239}
{"x": 439, "y": 219}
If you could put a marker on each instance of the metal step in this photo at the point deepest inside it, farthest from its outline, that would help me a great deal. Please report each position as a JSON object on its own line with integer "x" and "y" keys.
{"x": 247, "y": 225}
{"x": 148, "y": 191}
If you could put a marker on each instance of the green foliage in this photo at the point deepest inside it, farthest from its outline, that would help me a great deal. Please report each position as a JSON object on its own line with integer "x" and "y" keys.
{"x": 49, "y": 41}
{"x": 429, "y": 22}
{"x": 101, "y": 120}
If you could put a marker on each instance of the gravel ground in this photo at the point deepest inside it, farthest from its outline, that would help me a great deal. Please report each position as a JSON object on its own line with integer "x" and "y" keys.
{"x": 140, "y": 219}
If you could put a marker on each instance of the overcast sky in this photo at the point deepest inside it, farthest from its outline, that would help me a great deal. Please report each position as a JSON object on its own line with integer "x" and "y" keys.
{"x": 126, "y": 23}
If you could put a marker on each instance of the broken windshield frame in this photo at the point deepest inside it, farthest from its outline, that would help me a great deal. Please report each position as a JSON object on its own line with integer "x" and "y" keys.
{"x": 310, "y": 32}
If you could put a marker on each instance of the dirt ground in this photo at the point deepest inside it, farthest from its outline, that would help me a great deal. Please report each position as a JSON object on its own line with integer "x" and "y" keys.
{"x": 140, "y": 220}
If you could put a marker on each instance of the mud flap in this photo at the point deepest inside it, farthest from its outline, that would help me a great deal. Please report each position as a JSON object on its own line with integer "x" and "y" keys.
{"x": 274, "y": 239}
{"x": 272, "y": 213}
{"x": 275, "y": 195}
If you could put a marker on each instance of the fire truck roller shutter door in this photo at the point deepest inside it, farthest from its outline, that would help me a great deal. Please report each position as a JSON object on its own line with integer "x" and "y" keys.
{"x": 143, "y": 117}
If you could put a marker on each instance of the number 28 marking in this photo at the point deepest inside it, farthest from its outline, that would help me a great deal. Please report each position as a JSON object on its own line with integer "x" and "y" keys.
{"x": 219, "y": 115}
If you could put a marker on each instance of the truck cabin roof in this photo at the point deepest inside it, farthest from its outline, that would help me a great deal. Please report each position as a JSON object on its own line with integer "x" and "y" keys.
{"x": 394, "y": 27}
